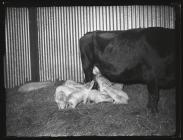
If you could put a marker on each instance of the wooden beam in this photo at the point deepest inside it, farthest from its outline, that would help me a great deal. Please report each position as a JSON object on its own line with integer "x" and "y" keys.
{"x": 34, "y": 54}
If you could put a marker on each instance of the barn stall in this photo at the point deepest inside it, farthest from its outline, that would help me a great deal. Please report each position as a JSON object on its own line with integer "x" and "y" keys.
{"x": 42, "y": 45}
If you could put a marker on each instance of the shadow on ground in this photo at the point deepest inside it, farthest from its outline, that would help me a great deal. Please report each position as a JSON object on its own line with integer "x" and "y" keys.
{"x": 36, "y": 114}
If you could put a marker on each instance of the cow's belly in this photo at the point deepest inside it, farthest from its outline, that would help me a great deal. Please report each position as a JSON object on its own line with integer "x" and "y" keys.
{"x": 128, "y": 75}
{"x": 120, "y": 66}
{"x": 139, "y": 72}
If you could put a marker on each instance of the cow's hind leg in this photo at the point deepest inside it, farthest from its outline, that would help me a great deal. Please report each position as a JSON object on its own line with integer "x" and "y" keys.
{"x": 153, "y": 96}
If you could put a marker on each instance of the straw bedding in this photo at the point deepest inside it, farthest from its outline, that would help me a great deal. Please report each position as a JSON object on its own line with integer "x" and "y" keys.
{"x": 36, "y": 113}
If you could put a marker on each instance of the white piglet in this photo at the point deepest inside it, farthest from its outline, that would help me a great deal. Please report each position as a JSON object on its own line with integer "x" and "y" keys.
{"x": 63, "y": 91}
{"x": 61, "y": 94}
{"x": 79, "y": 96}
{"x": 98, "y": 97}
{"x": 119, "y": 96}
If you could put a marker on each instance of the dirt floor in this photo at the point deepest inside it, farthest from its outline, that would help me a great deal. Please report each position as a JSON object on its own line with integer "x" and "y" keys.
{"x": 36, "y": 114}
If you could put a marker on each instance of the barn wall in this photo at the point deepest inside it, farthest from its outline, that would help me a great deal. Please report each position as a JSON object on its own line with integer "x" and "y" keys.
{"x": 17, "y": 57}
{"x": 59, "y": 30}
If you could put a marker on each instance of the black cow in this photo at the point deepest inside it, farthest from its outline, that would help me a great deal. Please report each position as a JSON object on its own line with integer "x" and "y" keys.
{"x": 144, "y": 56}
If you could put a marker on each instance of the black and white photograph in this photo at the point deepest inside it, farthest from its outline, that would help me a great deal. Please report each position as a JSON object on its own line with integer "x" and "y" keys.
{"x": 91, "y": 70}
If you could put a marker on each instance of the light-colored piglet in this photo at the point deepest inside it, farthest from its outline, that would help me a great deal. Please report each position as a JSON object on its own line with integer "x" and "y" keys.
{"x": 79, "y": 96}
{"x": 118, "y": 95}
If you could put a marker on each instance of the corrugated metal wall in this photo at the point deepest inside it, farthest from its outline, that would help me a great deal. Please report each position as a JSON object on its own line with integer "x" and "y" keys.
{"x": 17, "y": 57}
{"x": 59, "y": 30}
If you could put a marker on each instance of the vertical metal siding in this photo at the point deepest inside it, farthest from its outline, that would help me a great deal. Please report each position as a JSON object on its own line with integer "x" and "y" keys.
{"x": 17, "y": 56}
{"x": 59, "y": 30}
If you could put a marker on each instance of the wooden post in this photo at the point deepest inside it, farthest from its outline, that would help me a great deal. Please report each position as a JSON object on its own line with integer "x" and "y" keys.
{"x": 34, "y": 54}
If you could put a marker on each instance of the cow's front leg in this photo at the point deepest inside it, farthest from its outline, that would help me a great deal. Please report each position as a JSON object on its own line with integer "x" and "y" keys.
{"x": 153, "y": 96}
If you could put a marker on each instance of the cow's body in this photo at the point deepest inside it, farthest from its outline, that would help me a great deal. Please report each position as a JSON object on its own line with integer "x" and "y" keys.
{"x": 134, "y": 56}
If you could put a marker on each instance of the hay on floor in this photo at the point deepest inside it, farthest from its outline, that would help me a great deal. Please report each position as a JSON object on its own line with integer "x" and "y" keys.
{"x": 36, "y": 114}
